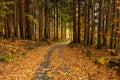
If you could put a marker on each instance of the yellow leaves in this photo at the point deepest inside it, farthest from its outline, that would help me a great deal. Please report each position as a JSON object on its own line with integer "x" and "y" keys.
{"x": 101, "y": 61}
{"x": 76, "y": 69}
{"x": 21, "y": 68}
{"x": 50, "y": 75}
{"x": 29, "y": 74}
{"x": 62, "y": 73}
{"x": 32, "y": 18}
{"x": 35, "y": 21}
{"x": 15, "y": 51}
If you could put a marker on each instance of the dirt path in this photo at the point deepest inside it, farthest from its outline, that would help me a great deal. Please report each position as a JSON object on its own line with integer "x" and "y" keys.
{"x": 65, "y": 63}
{"x": 42, "y": 71}
{"x": 55, "y": 62}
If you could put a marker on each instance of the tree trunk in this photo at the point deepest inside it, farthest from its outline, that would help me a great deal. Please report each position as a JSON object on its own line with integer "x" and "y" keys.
{"x": 93, "y": 21}
{"x": 74, "y": 22}
{"x": 79, "y": 24}
{"x": 99, "y": 45}
{"x": 21, "y": 25}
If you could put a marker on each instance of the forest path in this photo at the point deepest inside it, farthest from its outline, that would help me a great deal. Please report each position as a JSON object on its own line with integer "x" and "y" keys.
{"x": 42, "y": 72}
{"x": 63, "y": 62}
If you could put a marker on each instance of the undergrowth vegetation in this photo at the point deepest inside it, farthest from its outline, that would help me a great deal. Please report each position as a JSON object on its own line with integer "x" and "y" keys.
{"x": 11, "y": 51}
{"x": 102, "y": 58}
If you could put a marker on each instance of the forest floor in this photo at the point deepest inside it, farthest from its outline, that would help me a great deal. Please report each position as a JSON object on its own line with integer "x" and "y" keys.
{"x": 19, "y": 59}
{"x": 26, "y": 60}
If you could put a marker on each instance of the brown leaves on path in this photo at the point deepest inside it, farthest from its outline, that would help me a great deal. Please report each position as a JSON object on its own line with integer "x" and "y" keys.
{"x": 79, "y": 67}
{"x": 28, "y": 62}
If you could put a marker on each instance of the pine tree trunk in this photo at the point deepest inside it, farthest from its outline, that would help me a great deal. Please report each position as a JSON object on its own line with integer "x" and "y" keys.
{"x": 93, "y": 25}
{"x": 21, "y": 25}
{"x": 74, "y": 22}
{"x": 99, "y": 45}
{"x": 79, "y": 26}
{"x": 28, "y": 23}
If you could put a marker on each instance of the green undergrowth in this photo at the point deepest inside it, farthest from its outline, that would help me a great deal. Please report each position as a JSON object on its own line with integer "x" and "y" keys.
{"x": 98, "y": 59}
{"x": 6, "y": 58}
{"x": 102, "y": 60}
{"x": 10, "y": 52}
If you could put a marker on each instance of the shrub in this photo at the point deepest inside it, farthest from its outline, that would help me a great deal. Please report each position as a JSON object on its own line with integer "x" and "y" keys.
{"x": 102, "y": 60}
{"x": 4, "y": 58}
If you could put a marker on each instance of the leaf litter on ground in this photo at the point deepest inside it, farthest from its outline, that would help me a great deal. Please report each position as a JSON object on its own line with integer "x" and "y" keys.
{"x": 27, "y": 55}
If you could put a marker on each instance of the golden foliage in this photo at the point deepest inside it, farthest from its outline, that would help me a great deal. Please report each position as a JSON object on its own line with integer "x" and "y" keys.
{"x": 32, "y": 18}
